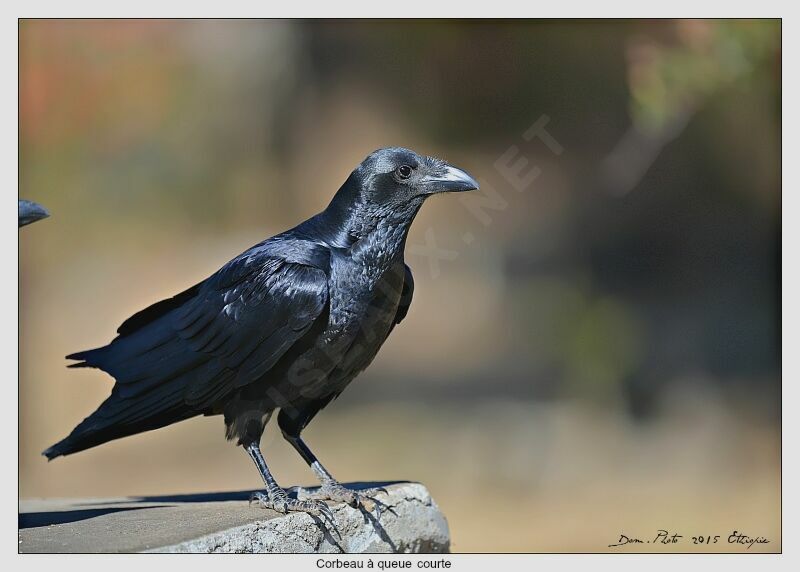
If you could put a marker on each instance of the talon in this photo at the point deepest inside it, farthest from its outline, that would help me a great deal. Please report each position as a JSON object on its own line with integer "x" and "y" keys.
{"x": 257, "y": 497}
{"x": 325, "y": 510}
{"x": 332, "y": 518}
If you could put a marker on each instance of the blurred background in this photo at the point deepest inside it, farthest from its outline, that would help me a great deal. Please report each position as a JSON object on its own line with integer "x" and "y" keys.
{"x": 593, "y": 346}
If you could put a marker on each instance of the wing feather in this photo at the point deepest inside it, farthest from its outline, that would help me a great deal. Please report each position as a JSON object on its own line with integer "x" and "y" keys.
{"x": 178, "y": 357}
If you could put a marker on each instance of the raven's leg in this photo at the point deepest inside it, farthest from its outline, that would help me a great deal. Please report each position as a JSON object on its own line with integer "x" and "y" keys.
{"x": 275, "y": 497}
{"x": 331, "y": 489}
{"x": 245, "y": 419}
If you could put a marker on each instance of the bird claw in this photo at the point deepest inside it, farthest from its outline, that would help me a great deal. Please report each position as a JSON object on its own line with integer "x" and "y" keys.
{"x": 337, "y": 492}
{"x": 368, "y": 496}
{"x": 280, "y": 502}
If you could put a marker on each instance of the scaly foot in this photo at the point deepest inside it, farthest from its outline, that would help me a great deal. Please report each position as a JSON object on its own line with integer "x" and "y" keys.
{"x": 279, "y": 501}
{"x": 336, "y": 492}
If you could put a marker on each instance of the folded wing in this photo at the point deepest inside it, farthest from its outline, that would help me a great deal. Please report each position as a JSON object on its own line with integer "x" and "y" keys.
{"x": 178, "y": 357}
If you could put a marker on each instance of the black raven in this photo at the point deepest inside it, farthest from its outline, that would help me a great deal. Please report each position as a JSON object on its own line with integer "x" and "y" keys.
{"x": 286, "y": 325}
{"x": 30, "y": 212}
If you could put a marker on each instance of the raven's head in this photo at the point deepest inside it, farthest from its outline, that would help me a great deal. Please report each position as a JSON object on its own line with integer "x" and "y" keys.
{"x": 387, "y": 189}
{"x": 395, "y": 175}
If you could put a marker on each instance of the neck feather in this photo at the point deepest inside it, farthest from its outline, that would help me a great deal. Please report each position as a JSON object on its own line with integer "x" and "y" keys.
{"x": 349, "y": 218}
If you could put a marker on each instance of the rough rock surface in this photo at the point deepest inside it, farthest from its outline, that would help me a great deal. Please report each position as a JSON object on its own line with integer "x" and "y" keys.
{"x": 225, "y": 522}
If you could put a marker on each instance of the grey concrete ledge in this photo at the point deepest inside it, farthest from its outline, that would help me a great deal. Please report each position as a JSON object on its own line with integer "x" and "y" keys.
{"x": 226, "y": 523}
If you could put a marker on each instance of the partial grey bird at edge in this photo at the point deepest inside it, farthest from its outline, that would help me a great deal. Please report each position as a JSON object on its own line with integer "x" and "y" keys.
{"x": 285, "y": 326}
{"x": 30, "y": 212}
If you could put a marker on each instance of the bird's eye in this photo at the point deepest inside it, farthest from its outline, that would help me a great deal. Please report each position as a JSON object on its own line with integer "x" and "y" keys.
{"x": 404, "y": 171}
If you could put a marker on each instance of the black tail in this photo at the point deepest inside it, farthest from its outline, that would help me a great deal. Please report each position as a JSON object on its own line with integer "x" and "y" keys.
{"x": 87, "y": 358}
{"x": 110, "y": 422}
{"x": 153, "y": 367}
{"x": 121, "y": 415}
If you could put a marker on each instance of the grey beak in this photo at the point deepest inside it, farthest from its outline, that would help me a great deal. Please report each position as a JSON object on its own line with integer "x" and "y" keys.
{"x": 452, "y": 180}
{"x": 31, "y": 212}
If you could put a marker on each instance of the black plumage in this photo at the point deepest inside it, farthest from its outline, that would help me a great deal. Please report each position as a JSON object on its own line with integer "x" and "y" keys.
{"x": 284, "y": 326}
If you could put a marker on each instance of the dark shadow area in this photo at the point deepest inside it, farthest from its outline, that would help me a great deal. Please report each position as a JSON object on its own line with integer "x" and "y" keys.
{"x": 36, "y": 519}
{"x": 245, "y": 495}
